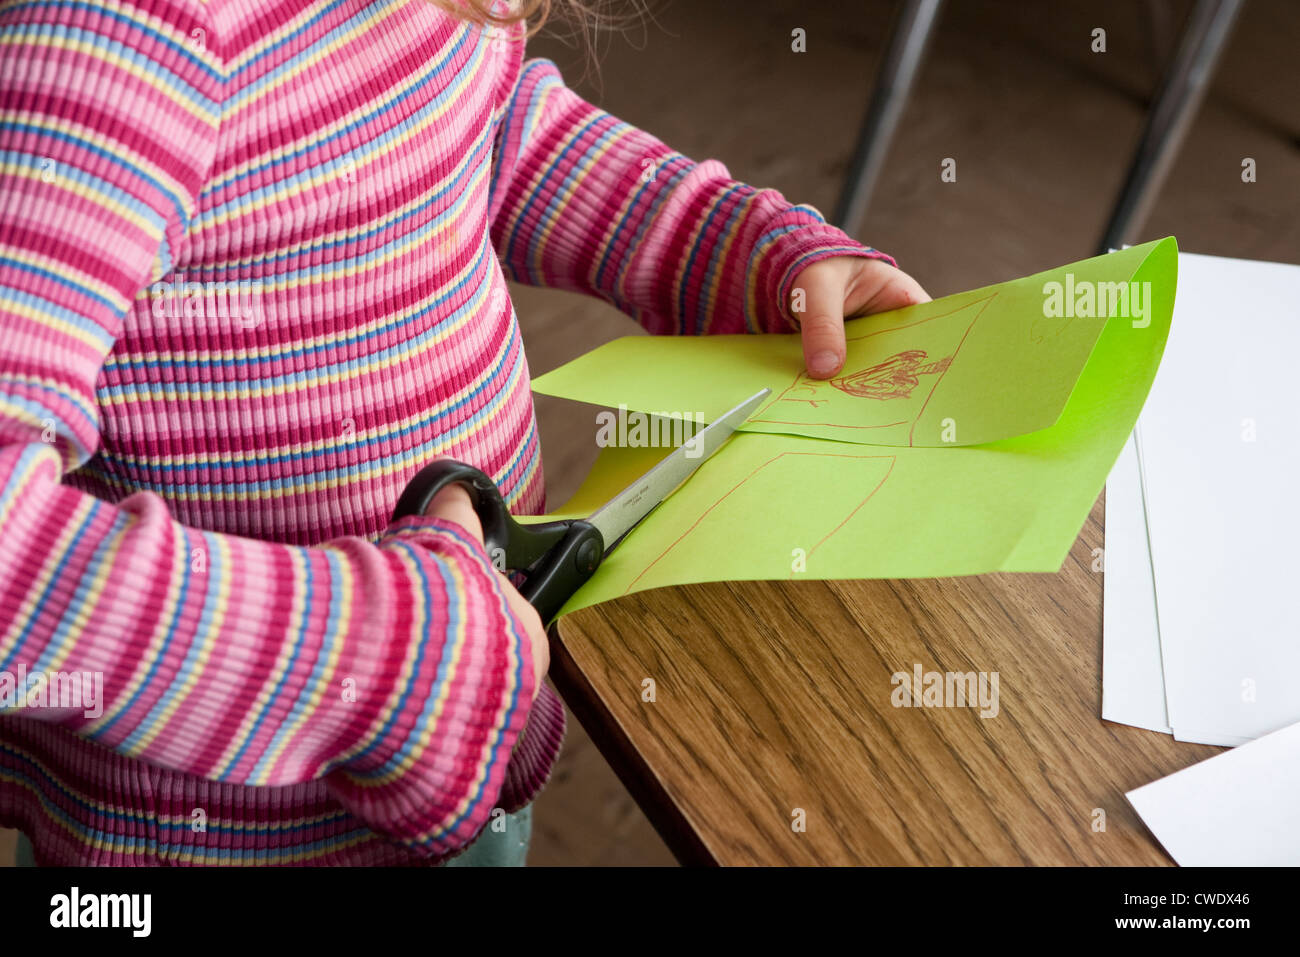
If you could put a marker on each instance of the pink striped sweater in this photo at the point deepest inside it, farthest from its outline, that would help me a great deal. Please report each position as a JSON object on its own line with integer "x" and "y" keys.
{"x": 252, "y": 277}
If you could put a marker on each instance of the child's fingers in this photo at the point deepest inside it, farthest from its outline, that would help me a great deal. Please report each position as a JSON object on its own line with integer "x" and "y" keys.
{"x": 821, "y": 323}
{"x": 823, "y": 344}
{"x": 846, "y": 286}
{"x": 880, "y": 287}
{"x": 453, "y": 504}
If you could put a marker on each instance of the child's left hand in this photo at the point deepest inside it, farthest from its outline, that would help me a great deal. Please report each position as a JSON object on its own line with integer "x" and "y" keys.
{"x": 840, "y": 287}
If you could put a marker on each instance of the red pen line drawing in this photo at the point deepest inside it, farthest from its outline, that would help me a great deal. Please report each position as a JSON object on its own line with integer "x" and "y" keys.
{"x": 846, "y": 385}
{"x": 895, "y": 378}
{"x": 721, "y": 499}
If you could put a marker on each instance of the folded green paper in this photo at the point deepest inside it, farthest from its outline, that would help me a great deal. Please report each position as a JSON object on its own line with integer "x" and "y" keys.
{"x": 859, "y": 480}
{"x": 963, "y": 370}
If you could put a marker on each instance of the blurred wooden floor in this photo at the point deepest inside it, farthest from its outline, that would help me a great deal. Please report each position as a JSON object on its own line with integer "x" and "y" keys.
{"x": 1042, "y": 130}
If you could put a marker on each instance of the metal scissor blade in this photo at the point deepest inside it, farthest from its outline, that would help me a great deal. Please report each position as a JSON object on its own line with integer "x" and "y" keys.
{"x": 620, "y": 514}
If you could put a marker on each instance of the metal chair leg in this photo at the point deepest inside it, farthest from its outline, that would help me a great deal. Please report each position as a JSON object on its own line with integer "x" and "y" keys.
{"x": 907, "y": 43}
{"x": 1171, "y": 115}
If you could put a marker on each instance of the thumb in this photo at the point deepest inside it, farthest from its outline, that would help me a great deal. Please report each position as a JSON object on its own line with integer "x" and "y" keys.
{"x": 823, "y": 345}
{"x": 821, "y": 329}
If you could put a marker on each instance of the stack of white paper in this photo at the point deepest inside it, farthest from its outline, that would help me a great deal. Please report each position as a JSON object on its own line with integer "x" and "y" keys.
{"x": 1133, "y": 681}
{"x": 1202, "y": 626}
{"x": 1201, "y": 620}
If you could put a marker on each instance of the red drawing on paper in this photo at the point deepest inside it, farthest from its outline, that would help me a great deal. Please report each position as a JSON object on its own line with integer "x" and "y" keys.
{"x": 902, "y": 375}
{"x": 886, "y": 462}
{"x": 895, "y": 378}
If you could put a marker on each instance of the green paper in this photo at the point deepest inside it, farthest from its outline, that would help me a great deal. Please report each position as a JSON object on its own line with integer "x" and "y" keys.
{"x": 784, "y": 506}
{"x": 967, "y": 369}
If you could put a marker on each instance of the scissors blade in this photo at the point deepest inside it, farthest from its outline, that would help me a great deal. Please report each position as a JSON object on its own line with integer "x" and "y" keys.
{"x": 625, "y": 510}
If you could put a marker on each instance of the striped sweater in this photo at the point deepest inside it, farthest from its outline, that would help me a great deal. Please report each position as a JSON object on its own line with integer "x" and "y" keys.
{"x": 253, "y": 263}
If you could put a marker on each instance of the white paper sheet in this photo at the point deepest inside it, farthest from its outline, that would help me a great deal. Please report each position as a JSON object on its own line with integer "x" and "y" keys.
{"x": 1132, "y": 676}
{"x": 1220, "y": 450}
{"x": 1237, "y": 808}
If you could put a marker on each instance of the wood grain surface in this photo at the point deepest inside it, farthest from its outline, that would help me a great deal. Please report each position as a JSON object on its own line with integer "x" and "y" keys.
{"x": 775, "y": 697}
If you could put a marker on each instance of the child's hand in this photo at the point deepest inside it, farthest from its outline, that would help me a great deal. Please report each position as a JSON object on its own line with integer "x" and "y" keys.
{"x": 453, "y": 504}
{"x": 840, "y": 287}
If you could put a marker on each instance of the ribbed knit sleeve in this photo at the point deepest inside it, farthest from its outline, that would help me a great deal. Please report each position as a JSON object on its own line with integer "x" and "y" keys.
{"x": 394, "y": 670}
{"x": 583, "y": 201}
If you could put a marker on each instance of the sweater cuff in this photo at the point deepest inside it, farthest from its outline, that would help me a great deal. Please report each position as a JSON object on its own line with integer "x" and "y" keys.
{"x": 535, "y": 752}
{"x": 798, "y": 243}
{"x": 538, "y": 744}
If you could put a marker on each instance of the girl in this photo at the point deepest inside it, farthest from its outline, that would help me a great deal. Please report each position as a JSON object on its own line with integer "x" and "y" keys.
{"x": 252, "y": 277}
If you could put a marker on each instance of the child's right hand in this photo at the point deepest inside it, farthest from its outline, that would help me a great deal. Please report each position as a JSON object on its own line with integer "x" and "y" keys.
{"x": 453, "y": 504}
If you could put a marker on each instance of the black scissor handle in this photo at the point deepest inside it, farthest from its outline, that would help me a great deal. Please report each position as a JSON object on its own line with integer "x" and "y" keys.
{"x": 555, "y": 558}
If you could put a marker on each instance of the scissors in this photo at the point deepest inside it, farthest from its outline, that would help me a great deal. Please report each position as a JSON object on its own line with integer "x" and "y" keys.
{"x": 556, "y": 558}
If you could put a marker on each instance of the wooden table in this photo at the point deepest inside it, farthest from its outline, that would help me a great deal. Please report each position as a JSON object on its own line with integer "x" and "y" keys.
{"x": 772, "y": 698}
